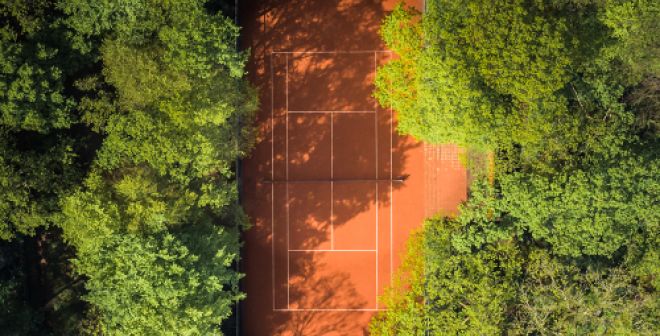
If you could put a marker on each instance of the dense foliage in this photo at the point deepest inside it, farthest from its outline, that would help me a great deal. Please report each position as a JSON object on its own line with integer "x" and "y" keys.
{"x": 543, "y": 78}
{"x": 120, "y": 126}
{"x": 513, "y": 288}
{"x": 565, "y": 94}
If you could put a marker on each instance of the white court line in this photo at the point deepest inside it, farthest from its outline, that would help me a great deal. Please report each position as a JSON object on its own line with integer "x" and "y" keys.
{"x": 332, "y": 173}
{"x": 332, "y": 209}
{"x": 332, "y": 177}
{"x": 286, "y": 120}
{"x": 391, "y": 192}
{"x": 330, "y": 310}
{"x": 332, "y": 250}
{"x": 286, "y": 93}
{"x": 377, "y": 258}
{"x": 377, "y": 205}
{"x": 328, "y": 111}
{"x": 272, "y": 174}
{"x": 334, "y": 52}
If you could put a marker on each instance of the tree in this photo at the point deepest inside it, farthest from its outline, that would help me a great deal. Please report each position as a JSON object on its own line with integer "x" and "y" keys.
{"x": 17, "y": 316}
{"x": 512, "y": 285}
{"x": 598, "y": 210}
{"x": 471, "y": 81}
{"x": 163, "y": 284}
{"x": 120, "y": 126}
{"x": 457, "y": 292}
{"x": 157, "y": 210}
{"x": 594, "y": 211}
{"x": 560, "y": 298}
{"x": 634, "y": 25}
{"x": 404, "y": 298}
{"x": 519, "y": 81}
{"x": 35, "y": 114}
{"x": 563, "y": 94}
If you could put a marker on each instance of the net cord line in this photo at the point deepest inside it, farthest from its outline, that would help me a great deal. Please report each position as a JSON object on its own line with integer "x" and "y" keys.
{"x": 396, "y": 180}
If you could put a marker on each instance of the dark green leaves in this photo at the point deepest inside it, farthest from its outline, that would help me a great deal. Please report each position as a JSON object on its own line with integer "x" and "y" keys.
{"x": 119, "y": 125}
{"x": 563, "y": 238}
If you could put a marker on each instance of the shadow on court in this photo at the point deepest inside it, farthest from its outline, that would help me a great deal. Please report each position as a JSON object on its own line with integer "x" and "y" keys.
{"x": 312, "y": 25}
{"x": 300, "y": 141}
{"x": 334, "y": 290}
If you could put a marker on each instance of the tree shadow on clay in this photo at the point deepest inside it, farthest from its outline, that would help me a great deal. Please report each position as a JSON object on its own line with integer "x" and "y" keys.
{"x": 329, "y": 290}
{"x": 321, "y": 147}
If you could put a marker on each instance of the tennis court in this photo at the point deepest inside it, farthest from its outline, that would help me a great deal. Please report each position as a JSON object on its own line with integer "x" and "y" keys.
{"x": 331, "y": 181}
{"x": 332, "y": 190}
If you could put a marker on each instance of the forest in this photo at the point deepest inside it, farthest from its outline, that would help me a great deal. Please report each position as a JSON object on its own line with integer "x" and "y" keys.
{"x": 120, "y": 126}
{"x": 122, "y": 122}
{"x": 557, "y": 105}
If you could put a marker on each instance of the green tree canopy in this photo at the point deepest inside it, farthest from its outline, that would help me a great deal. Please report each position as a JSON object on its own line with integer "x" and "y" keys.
{"x": 559, "y": 237}
{"x": 541, "y": 78}
{"x": 597, "y": 211}
{"x": 120, "y": 125}
{"x": 37, "y": 158}
{"x": 511, "y": 287}
{"x": 168, "y": 103}
{"x": 165, "y": 284}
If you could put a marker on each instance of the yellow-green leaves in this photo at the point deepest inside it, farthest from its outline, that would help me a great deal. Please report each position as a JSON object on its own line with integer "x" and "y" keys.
{"x": 156, "y": 223}
{"x": 563, "y": 238}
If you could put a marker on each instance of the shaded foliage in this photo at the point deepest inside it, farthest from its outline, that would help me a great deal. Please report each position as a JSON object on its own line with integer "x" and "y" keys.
{"x": 120, "y": 125}
{"x": 563, "y": 239}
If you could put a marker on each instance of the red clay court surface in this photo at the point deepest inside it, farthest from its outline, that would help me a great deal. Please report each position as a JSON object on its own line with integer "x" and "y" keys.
{"x": 331, "y": 189}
